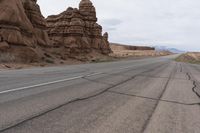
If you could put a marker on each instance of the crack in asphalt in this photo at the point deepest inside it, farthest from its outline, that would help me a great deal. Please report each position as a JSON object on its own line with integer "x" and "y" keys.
{"x": 181, "y": 70}
{"x": 95, "y": 81}
{"x": 189, "y": 77}
{"x": 155, "y": 99}
{"x": 77, "y": 100}
{"x": 132, "y": 70}
{"x": 194, "y": 85}
{"x": 194, "y": 82}
{"x": 150, "y": 76}
{"x": 194, "y": 89}
{"x": 154, "y": 109}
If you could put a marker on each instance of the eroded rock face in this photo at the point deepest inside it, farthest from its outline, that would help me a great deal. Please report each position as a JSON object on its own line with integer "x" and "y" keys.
{"x": 15, "y": 27}
{"x": 26, "y": 36}
{"x": 77, "y": 30}
{"x": 33, "y": 13}
{"x": 22, "y": 28}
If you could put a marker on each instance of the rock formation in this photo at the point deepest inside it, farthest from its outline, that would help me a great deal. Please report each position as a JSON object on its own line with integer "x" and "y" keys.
{"x": 26, "y": 36}
{"x": 33, "y": 13}
{"x": 22, "y": 29}
{"x": 77, "y": 30}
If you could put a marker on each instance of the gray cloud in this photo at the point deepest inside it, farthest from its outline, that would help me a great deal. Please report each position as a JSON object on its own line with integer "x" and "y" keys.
{"x": 110, "y": 24}
{"x": 111, "y": 21}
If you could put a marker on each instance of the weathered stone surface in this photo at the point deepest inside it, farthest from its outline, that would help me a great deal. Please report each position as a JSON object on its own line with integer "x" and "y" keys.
{"x": 3, "y": 46}
{"x": 33, "y": 13}
{"x": 78, "y": 31}
{"x": 15, "y": 28}
{"x": 25, "y": 35}
{"x": 22, "y": 27}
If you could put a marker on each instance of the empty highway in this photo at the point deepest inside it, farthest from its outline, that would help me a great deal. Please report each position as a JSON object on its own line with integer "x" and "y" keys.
{"x": 154, "y": 95}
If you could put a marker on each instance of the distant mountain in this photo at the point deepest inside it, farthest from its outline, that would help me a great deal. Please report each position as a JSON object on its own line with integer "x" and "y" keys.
{"x": 164, "y": 48}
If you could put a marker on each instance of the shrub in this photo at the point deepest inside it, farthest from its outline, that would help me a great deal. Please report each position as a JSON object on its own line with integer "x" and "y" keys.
{"x": 6, "y": 58}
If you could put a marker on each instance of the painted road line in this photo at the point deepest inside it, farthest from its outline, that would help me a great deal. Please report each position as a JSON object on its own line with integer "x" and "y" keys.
{"x": 49, "y": 83}
{"x": 54, "y": 82}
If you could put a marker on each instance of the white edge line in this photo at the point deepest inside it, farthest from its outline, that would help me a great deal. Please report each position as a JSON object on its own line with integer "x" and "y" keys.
{"x": 48, "y": 83}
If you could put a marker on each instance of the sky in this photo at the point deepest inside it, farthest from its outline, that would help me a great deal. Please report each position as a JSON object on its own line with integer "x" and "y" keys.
{"x": 171, "y": 23}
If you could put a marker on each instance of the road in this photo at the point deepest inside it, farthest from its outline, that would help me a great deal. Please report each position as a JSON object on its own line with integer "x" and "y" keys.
{"x": 154, "y": 95}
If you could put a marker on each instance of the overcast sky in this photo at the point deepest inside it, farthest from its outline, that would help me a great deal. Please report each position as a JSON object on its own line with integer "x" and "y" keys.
{"x": 173, "y": 23}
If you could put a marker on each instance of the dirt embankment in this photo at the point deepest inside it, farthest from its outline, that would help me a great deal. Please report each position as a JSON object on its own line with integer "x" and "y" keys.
{"x": 116, "y": 46}
{"x": 135, "y": 51}
{"x": 190, "y": 57}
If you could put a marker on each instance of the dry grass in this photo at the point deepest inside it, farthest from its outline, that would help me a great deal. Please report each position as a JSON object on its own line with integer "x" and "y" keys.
{"x": 191, "y": 57}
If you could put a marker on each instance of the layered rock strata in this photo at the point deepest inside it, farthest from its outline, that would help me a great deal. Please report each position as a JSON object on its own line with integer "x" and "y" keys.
{"x": 22, "y": 30}
{"x": 78, "y": 31}
{"x": 26, "y": 36}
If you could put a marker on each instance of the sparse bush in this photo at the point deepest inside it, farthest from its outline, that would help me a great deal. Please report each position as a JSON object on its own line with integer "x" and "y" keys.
{"x": 47, "y": 55}
{"x": 187, "y": 58}
{"x": 49, "y": 61}
{"x": 6, "y": 58}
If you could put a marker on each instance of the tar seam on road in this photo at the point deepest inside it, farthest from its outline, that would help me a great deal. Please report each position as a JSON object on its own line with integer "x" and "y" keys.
{"x": 155, "y": 99}
{"x": 194, "y": 89}
{"x": 150, "y": 76}
{"x": 194, "y": 85}
{"x": 76, "y": 100}
{"x": 162, "y": 93}
{"x": 49, "y": 83}
{"x": 57, "y": 81}
{"x": 95, "y": 81}
{"x": 181, "y": 70}
{"x": 193, "y": 81}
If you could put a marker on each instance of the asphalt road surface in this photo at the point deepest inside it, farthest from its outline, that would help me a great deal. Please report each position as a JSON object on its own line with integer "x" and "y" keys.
{"x": 155, "y": 95}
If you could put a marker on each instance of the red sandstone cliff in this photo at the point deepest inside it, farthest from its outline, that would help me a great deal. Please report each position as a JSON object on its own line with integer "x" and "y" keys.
{"x": 25, "y": 35}
{"x": 22, "y": 30}
{"x": 77, "y": 30}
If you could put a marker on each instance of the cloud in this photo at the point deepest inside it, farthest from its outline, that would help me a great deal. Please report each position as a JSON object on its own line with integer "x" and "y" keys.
{"x": 112, "y": 21}
{"x": 110, "y": 24}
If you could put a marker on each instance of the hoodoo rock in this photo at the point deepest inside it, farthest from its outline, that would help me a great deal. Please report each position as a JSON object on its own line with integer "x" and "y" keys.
{"x": 33, "y": 13}
{"x": 22, "y": 29}
{"x": 26, "y": 36}
{"x": 15, "y": 27}
{"x": 77, "y": 30}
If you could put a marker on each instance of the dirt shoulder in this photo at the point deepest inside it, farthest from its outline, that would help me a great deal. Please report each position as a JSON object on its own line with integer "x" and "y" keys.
{"x": 100, "y": 59}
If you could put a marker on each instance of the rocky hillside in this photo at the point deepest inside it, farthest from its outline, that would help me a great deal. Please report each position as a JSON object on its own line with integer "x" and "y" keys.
{"x": 22, "y": 30}
{"x": 26, "y": 36}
